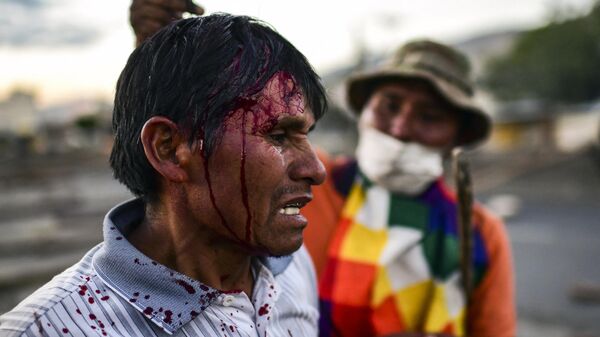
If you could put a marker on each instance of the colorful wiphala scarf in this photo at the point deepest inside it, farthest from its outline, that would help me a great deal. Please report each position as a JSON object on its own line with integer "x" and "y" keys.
{"x": 393, "y": 265}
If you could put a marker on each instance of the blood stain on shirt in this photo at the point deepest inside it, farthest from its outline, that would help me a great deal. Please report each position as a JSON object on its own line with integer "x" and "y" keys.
{"x": 263, "y": 310}
{"x": 82, "y": 290}
{"x": 168, "y": 316}
{"x": 188, "y": 287}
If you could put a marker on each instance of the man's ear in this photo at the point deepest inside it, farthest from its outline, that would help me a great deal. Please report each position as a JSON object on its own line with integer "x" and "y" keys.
{"x": 166, "y": 148}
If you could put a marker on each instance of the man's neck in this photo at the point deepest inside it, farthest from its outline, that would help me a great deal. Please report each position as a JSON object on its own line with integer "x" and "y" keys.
{"x": 190, "y": 249}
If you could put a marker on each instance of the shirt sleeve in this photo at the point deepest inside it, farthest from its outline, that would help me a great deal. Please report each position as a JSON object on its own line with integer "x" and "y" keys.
{"x": 492, "y": 310}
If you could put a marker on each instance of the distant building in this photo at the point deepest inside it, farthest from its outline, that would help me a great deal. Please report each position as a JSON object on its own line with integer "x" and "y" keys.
{"x": 18, "y": 113}
{"x": 60, "y": 128}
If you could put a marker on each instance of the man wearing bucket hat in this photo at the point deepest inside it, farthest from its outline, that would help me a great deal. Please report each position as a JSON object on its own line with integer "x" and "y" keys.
{"x": 383, "y": 228}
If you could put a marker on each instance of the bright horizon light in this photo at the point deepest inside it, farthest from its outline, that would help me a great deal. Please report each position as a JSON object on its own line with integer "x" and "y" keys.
{"x": 327, "y": 32}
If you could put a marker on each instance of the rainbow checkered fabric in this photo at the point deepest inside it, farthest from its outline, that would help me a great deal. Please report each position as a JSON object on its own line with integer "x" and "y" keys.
{"x": 393, "y": 265}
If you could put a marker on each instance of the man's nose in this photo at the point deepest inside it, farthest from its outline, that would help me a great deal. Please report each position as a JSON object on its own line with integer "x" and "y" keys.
{"x": 308, "y": 167}
{"x": 400, "y": 127}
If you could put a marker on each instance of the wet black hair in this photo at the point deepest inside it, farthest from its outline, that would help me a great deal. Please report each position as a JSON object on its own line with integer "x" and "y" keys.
{"x": 192, "y": 72}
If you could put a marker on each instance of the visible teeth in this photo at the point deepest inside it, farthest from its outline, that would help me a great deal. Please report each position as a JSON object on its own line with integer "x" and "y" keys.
{"x": 290, "y": 211}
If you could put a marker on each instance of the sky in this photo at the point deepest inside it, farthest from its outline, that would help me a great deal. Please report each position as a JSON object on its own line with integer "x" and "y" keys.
{"x": 74, "y": 49}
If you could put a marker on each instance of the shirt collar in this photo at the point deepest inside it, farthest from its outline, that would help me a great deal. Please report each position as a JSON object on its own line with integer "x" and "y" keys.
{"x": 170, "y": 299}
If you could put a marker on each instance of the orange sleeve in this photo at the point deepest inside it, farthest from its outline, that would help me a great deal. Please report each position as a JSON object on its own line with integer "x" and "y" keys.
{"x": 492, "y": 310}
{"x": 323, "y": 215}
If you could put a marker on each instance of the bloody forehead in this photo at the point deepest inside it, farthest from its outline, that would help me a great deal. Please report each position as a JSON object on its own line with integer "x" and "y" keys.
{"x": 279, "y": 97}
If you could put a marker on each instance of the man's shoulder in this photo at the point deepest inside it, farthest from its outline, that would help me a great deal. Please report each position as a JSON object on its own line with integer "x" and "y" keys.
{"x": 482, "y": 217}
{"x": 488, "y": 223}
{"x": 34, "y": 314}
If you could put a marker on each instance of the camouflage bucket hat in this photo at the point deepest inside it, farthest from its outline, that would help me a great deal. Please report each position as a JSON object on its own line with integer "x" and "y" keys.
{"x": 444, "y": 68}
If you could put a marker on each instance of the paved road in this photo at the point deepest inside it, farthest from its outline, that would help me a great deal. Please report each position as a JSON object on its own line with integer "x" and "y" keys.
{"x": 51, "y": 212}
{"x": 556, "y": 242}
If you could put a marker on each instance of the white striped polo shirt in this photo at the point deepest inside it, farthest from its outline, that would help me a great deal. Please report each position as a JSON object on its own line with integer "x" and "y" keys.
{"x": 115, "y": 290}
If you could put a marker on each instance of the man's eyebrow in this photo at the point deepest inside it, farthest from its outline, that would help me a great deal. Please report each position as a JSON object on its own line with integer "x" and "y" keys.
{"x": 294, "y": 123}
{"x": 392, "y": 95}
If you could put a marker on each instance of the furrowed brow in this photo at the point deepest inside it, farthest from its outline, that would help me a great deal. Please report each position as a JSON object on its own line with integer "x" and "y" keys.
{"x": 296, "y": 124}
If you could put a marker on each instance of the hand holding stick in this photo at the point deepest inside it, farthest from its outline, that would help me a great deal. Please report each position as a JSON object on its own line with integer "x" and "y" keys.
{"x": 149, "y": 16}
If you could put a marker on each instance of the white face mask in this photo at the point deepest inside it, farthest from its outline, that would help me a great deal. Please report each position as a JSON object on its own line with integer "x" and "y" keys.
{"x": 400, "y": 167}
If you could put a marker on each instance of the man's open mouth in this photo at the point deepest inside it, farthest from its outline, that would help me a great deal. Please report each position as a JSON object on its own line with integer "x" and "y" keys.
{"x": 293, "y": 205}
{"x": 292, "y": 209}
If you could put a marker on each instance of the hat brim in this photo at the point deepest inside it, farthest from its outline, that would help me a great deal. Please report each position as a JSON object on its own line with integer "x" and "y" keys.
{"x": 476, "y": 124}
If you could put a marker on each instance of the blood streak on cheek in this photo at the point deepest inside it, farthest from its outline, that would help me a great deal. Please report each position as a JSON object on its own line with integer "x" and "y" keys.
{"x": 212, "y": 194}
{"x": 244, "y": 187}
{"x": 243, "y": 106}
{"x": 213, "y": 199}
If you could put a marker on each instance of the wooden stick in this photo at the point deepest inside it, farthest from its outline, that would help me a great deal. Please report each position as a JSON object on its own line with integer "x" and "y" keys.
{"x": 464, "y": 189}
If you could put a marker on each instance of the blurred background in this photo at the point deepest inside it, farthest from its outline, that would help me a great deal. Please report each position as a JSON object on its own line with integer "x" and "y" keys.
{"x": 537, "y": 61}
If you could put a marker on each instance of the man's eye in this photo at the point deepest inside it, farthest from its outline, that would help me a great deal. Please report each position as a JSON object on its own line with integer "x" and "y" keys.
{"x": 431, "y": 117}
{"x": 393, "y": 107}
{"x": 278, "y": 138}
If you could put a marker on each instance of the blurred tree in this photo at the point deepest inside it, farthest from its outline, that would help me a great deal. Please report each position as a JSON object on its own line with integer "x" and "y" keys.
{"x": 559, "y": 62}
{"x": 88, "y": 123}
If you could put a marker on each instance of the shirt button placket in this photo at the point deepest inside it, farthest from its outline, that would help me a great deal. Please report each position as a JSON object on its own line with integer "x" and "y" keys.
{"x": 228, "y": 300}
